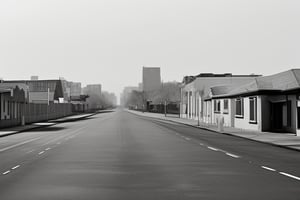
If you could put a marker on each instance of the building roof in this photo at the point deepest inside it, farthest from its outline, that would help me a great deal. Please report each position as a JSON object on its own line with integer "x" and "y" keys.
{"x": 13, "y": 85}
{"x": 226, "y": 75}
{"x": 79, "y": 98}
{"x": 189, "y": 79}
{"x": 16, "y": 92}
{"x": 8, "y": 87}
{"x": 2, "y": 90}
{"x": 55, "y": 87}
{"x": 281, "y": 82}
{"x": 38, "y": 85}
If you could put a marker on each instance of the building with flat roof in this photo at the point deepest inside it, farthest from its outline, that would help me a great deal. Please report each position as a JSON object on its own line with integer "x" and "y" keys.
{"x": 73, "y": 88}
{"x": 151, "y": 79}
{"x": 43, "y": 91}
{"x": 92, "y": 89}
{"x": 94, "y": 92}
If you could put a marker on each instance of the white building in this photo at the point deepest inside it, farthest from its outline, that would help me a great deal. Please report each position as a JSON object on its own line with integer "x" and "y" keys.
{"x": 195, "y": 89}
{"x": 268, "y": 103}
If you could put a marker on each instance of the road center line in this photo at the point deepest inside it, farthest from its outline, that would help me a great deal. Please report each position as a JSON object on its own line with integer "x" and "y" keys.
{"x": 232, "y": 155}
{"x": 47, "y": 149}
{"x": 289, "y": 175}
{"x": 6, "y": 172}
{"x": 187, "y": 138}
{"x": 15, "y": 167}
{"x": 41, "y": 152}
{"x": 268, "y": 168}
{"x": 214, "y": 149}
{"x": 19, "y": 144}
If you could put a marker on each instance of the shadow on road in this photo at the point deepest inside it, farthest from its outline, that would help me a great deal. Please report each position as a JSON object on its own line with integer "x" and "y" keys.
{"x": 105, "y": 111}
{"x": 48, "y": 128}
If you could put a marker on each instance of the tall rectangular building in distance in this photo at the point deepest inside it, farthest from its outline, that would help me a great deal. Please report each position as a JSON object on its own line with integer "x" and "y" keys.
{"x": 92, "y": 89}
{"x": 151, "y": 78}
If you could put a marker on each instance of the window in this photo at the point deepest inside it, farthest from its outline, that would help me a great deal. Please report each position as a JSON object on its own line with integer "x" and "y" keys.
{"x": 217, "y": 106}
{"x": 239, "y": 108}
{"x": 225, "y": 111}
{"x": 253, "y": 109}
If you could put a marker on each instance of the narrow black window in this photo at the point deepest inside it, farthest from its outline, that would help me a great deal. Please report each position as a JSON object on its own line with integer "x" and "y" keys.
{"x": 226, "y": 107}
{"x": 239, "y": 107}
{"x": 217, "y": 106}
{"x": 253, "y": 109}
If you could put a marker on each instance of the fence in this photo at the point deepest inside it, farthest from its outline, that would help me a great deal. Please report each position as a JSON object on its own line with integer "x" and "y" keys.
{"x": 42, "y": 112}
{"x": 36, "y": 113}
{"x": 171, "y": 108}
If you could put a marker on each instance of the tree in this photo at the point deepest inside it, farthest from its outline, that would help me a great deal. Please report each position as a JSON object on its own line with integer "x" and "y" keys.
{"x": 135, "y": 100}
{"x": 169, "y": 91}
{"x": 101, "y": 101}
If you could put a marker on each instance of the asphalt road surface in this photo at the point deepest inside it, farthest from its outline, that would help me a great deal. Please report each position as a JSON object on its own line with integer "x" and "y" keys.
{"x": 119, "y": 155}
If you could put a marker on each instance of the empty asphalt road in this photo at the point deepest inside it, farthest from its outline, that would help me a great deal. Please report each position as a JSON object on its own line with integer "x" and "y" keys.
{"x": 119, "y": 155}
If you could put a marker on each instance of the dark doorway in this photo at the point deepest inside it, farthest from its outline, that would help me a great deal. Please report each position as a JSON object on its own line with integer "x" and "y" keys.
{"x": 276, "y": 116}
{"x": 298, "y": 117}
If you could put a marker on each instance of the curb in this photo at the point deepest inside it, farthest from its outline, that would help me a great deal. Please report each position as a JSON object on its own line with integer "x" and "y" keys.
{"x": 225, "y": 133}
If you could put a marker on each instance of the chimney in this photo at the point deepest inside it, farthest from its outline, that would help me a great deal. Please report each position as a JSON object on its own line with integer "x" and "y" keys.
{"x": 34, "y": 78}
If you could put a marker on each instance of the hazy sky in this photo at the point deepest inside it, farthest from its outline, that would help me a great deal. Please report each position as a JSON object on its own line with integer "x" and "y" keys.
{"x": 108, "y": 41}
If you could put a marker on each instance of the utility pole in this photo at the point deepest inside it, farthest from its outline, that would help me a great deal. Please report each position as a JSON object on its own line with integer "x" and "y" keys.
{"x": 48, "y": 99}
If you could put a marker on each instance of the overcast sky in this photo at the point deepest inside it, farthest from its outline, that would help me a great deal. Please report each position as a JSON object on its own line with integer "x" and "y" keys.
{"x": 108, "y": 41}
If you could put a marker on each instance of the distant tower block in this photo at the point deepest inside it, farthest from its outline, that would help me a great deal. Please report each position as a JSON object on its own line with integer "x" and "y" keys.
{"x": 151, "y": 79}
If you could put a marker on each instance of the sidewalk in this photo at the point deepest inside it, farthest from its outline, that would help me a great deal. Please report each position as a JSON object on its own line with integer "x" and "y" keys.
{"x": 19, "y": 129}
{"x": 285, "y": 140}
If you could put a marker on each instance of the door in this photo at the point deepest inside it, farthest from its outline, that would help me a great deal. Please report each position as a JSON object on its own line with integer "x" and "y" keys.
{"x": 276, "y": 118}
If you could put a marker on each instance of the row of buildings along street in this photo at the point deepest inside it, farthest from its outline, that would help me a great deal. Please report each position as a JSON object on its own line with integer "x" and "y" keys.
{"x": 251, "y": 102}
{"x": 34, "y": 100}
